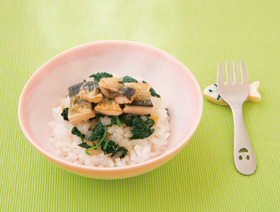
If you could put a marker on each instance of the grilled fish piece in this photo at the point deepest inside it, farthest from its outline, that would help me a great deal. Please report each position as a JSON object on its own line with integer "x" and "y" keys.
{"x": 108, "y": 107}
{"x": 126, "y": 95}
{"x": 113, "y": 88}
{"x": 113, "y": 84}
{"x": 142, "y": 90}
{"x": 142, "y": 107}
{"x": 142, "y": 104}
{"x": 90, "y": 91}
{"x": 79, "y": 110}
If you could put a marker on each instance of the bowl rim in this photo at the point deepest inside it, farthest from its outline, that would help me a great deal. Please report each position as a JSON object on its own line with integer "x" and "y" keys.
{"x": 154, "y": 160}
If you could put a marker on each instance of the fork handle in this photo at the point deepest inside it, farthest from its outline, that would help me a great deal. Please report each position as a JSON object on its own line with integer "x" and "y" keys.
{"x": 244, "y": 157}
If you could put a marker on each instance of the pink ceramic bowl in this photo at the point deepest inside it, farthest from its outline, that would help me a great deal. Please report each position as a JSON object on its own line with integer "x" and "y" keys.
{"x": 170, "y": 78}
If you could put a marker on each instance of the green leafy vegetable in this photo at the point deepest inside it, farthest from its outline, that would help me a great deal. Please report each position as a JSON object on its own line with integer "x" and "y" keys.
{"x": 101, "y": 140}
{"x": 64, "y": 114}
{"x": 99, "y": 132}
{"x": 110, "y": 147}
{"x": 116, "y": 120}
{"x": 122, "y": 119}
{"x": 149, "y": 122}
{"x": 84, "y": 145}
{"x": 98, "y": 76}
{"x": 126, "y": 121}
{"x": 77, "y": 132}
{"x": 140, "y": 129}
{"x": 123, "y": 150}
{"x": 129, "y": 79}
{"x": 153, "y": 93}
{"x": 167, "y": 111}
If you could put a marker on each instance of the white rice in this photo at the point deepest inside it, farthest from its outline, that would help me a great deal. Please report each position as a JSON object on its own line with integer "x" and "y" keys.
{"x": 139, "y": 150}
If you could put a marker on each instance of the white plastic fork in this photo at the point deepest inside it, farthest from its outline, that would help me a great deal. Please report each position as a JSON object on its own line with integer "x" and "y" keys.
{"x": 235, "y": 93}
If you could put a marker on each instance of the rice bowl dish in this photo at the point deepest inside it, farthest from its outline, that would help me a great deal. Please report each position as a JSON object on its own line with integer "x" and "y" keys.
{"x": 48, "y": 86}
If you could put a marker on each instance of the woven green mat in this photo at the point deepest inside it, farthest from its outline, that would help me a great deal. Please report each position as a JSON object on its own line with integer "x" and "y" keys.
{"x": 202, "y": 177}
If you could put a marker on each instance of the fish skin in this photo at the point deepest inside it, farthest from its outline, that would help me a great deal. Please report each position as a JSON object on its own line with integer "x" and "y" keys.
{"x": 127, "y": 92}
{"x": 90, "y": 85}
{"x": 74, "y": 89}
{"x": 142, "y": 103}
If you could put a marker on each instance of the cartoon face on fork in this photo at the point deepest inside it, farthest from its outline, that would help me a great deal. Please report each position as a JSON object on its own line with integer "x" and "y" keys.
{"x": 243, "y": 154}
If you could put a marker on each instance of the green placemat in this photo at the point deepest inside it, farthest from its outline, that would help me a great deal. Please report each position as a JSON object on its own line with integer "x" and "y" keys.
{"x": 202, "y": 176}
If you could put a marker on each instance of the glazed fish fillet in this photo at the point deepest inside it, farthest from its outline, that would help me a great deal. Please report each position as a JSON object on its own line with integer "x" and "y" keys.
{"x": 90, "y": 91}
{"x": 79, "y": 110}
{"x": 142, "y": 90}
{"x": 113, "y": 88}
{"x": 142, "y": 104}
{"x": 108, "y": 107}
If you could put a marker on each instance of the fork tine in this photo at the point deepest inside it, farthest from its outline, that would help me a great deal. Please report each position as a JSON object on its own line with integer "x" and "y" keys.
{"x": 228, "y": 72}
{"x": 220, "y": 77}
{"x": 235, "y": 72}
{"x": 244, "y": 74}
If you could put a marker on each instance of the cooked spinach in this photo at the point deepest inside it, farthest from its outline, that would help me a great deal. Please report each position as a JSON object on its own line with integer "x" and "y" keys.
{"x": 110, "y": 147}
{"x": 98, "y": 76}
{"x": 167, "y": 111}
{"x": 78, "y": 133}
{"x": 140, "y": 129}
{"x": 153, "y": 93}
{"x": 84, "y": 145}
{"x": 119, "y": 123}
{"x": 64, "y": 114}
{"x": 116, "y": 120}
{"x": 121, "y": 119}
{"x": 123, "y": 150}
{"x": 129, "y": 79}
{"x": 98, "y": 133}
{"x": 149, "y": 122}
{"x": 125, "y": 120}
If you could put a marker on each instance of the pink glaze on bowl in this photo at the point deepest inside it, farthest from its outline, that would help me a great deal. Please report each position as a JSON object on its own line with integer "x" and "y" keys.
{"x": 169, "y": 77}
